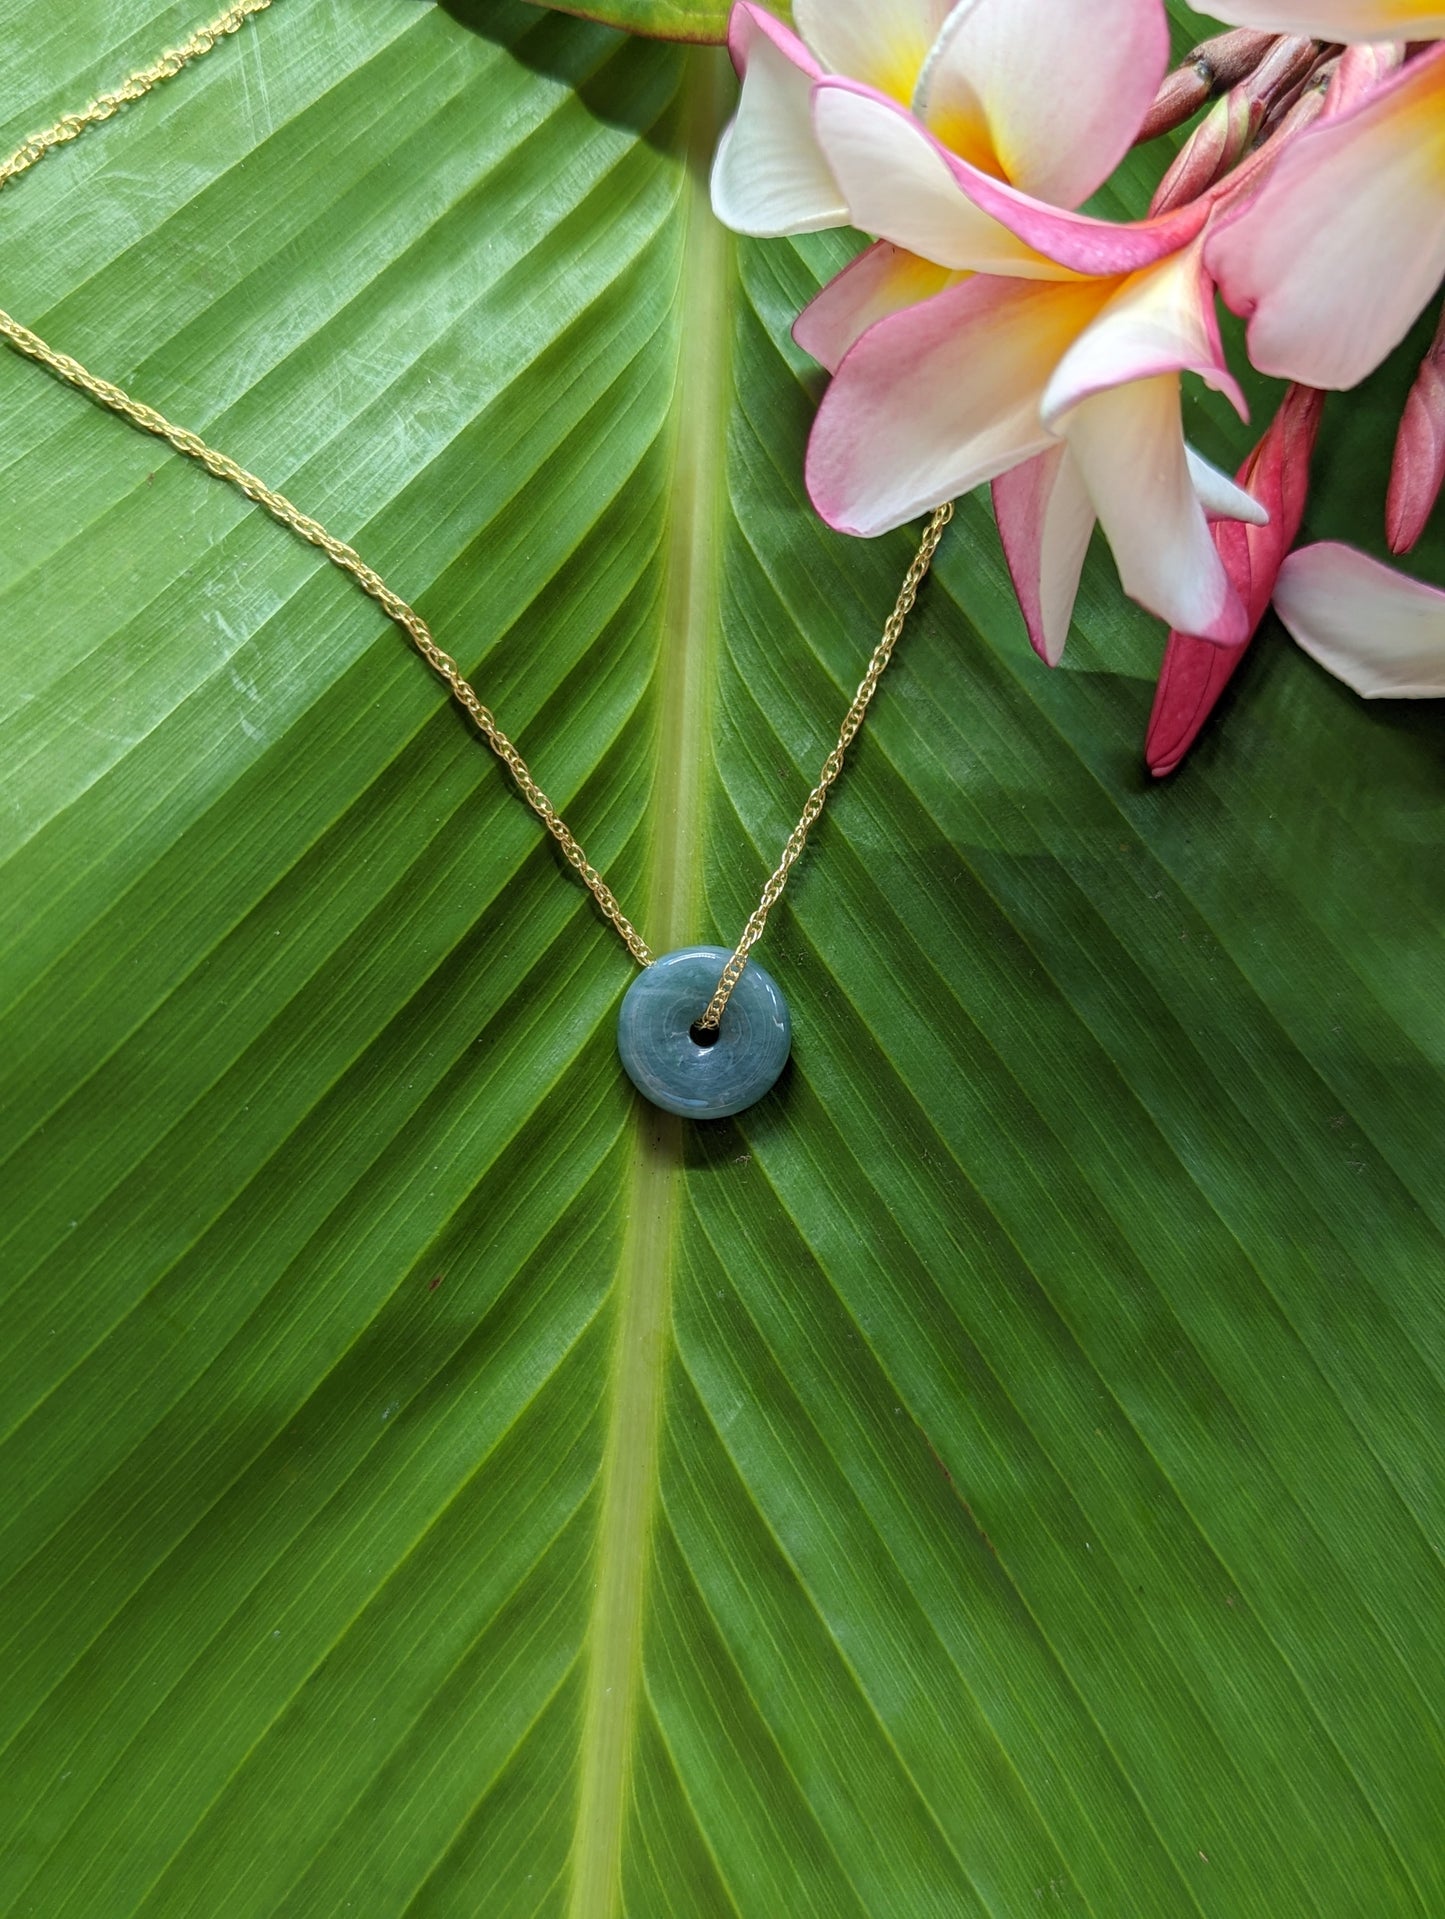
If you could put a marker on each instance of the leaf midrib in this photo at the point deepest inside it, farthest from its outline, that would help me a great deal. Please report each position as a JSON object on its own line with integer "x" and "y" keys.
{"x": 690, "y": 561}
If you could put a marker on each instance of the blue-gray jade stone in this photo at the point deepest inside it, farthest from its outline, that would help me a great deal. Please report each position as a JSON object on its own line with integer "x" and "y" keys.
{"x": 667, "y": 1065}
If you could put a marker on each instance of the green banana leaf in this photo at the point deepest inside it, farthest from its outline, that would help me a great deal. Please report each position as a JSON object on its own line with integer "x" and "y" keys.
{"x": 694, "y": 20}
{"x": 999, "y": 1474}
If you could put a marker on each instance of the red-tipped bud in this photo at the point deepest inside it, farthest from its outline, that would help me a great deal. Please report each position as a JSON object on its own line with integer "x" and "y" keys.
{"x": 1418, "y": 473}
{"x": 1211, "y": 68}
{"x": 1196, "y": 672}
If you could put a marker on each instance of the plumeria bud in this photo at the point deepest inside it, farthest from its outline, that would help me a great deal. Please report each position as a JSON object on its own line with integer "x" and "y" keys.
{"x": 1263, "y": 103}
{"x": 1212, "y": 67}
{"x": 1307, "y": 107}
{"x": 1309, "y": 104}
{"x": 1418, "y": 472}
{"x": 1195, "y": 672}
{"x": 1282, "y": 72}
{"x": 1181, "y": 96}
{"x": 1359, "y": 71}
{"x": 1305, "y": 103}
{"x": 1302, "y": 104}
{"x": 1217, "y": 145}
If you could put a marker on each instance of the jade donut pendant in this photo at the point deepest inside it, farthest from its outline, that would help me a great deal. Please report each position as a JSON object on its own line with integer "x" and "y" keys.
{"x": 677, "y": 1072}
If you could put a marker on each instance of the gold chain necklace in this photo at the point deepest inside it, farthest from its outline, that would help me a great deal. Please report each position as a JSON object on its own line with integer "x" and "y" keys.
{"x": 685, "y": 1061}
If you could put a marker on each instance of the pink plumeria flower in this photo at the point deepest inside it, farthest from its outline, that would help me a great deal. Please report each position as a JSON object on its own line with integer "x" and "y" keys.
{"x": 1379, "y": 632}
{"x": 991, "y": 326}
{"x": 1344, "y": 242}
{"x": 1043, "y": 95}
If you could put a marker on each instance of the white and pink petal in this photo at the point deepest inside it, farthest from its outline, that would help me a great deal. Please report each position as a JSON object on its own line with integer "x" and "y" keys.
{"x": 897, "y": 183}
{"x": 1160, "y": 320}
{"x": 1129, "y": 445}
{"x": 770, "y": 177}
{"x": 903, "y": 185}
{"x": 884, "y": 43}
{"x": 881, "y": 43}
{"x": 883, "y": 279}
{"x": 1045, "y": 522}
{"x": 1221, "y": 497}
{"x": 1046, "y": 518}
{"x": 1377, "y": 630}
{"x": 937, "y": 399}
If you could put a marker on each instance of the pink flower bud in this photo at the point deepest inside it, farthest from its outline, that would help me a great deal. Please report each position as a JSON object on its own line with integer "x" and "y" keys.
{"x": 1301, "y": 104}
{"x": 1358, "y": 71}
{"x": 1217, "y": 145}
{"x": 1232, "y": 57}
{"x": 1195, "y": 672}
{"x": 1418, "y": 472}
{"x": 1282, "y": 72}
{"x": 1211, "y": 68}
{"x": 1182, "y": 94}
{"x": 1307, "y": 106}
{"x": 1268, "y": 100}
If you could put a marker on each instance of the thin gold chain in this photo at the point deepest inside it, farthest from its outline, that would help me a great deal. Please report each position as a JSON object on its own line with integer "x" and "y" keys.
{"x": 276, "y": 504}
{"x": 350, "y": 561}
{"x": 832, "y": 766}
{"x": 69, "y": 127}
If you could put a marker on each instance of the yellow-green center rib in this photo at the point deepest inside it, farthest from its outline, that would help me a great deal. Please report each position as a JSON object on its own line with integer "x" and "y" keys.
{"x": 643, "y": 1298}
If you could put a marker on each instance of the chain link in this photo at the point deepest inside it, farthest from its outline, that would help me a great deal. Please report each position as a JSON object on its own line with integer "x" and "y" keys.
{"x": 69, "y": 127}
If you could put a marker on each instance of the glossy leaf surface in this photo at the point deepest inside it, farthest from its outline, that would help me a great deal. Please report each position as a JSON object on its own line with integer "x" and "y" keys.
{"x": 999, "y": 1474}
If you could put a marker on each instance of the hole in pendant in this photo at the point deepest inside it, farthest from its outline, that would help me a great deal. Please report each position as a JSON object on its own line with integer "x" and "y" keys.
{"x": 701, "y": 1035}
